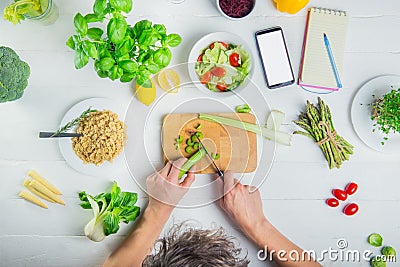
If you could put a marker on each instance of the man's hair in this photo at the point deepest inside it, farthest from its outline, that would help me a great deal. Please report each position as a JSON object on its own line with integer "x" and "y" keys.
{"x": 187, "y": 246}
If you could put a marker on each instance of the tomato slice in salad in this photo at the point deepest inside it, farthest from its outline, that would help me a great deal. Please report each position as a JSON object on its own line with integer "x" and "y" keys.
{"x": 221, "y": 86}
{"x": 200, "y": 58}
{"x": 218, "y": 71}
{"x": 223, "y": 44}
{"x": 206, "y": 77}
{"x": 234, "y": 59}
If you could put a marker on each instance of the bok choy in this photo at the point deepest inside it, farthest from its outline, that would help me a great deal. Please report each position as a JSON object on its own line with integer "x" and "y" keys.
{"x": 108, "y": 210}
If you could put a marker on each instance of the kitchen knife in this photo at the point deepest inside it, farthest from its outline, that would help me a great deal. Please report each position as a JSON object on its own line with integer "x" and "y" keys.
{"x": 52, "y": 135}
{"x": 220, "y": 173}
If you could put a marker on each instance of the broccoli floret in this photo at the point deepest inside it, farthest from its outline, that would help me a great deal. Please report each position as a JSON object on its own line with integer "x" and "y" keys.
{"x": 14, "y": 74}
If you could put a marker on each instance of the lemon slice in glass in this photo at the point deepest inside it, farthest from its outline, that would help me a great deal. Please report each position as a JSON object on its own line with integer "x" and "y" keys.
{"x": 169, "y": 81}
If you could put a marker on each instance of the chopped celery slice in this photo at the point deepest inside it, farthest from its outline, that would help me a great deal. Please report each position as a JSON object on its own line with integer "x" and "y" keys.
{"x": 196, "y": 146}
{"x": 192, "y": 161}
{"x": 199, "y": 135}
{"x": 188, "y": 149}
{"x": 243, "y": 109}
{"x": 179, "y": 140}
{"x": 215, "y": 156}
{"x": 190, "y": 142}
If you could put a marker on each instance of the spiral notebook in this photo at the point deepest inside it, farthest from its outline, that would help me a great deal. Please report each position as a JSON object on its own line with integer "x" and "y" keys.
{"x": 316, "y": 71}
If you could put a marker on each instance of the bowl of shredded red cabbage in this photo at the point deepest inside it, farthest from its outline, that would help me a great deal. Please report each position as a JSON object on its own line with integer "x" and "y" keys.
{"x": 235, "y": 9}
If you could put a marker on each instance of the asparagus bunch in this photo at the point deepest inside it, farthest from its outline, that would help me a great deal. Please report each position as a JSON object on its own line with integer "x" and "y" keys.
{"x": 318, "y": 125}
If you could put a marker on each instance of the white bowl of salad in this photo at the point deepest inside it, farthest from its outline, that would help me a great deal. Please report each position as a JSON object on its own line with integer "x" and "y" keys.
{"x": 220, "y": 62}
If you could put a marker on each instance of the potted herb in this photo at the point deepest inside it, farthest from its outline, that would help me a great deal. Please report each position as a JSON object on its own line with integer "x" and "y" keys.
{"x": 386, "y": 113}
{"x": 41, "y": 11}
{"x": 122, "y": 51}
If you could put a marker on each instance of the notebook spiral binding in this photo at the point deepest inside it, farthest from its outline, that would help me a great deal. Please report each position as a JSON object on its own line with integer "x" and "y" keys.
{"x": 335, "y": 12}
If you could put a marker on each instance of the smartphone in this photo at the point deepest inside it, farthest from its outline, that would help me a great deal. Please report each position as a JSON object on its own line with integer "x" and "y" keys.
{"x": 274, "y": 56}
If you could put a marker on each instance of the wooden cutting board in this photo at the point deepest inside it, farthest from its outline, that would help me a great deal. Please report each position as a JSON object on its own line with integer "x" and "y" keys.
{"x": 237, "y": 148}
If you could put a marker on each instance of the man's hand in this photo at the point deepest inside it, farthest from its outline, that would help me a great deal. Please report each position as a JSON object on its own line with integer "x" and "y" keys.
{"x": 163, "y": 187}
{"x": 243, "y": 205}
{"x": 165, "y": 192}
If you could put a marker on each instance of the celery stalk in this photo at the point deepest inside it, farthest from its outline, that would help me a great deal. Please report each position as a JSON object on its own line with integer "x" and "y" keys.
{"x": 192, "y": 161}
{"x": 270, "y": 134}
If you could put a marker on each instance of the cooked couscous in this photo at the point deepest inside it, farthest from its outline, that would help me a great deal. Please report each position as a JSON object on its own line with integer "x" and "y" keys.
{"x": 103, "y": 137}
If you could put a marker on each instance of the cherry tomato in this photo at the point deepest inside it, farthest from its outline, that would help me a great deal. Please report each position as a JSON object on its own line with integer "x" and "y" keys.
{"x": 218, "y": 71}
{"x": 234, "y": 60}
{"x": 200, "y": 58}
{"x": 332, "y": 202}
{"x": 350, "y": 209}
{"x": 206, "y": 77}
{"x": 221, "y": 86}
{"x": 339, "y": 194}
{"x": 223, "y": 44}
{"x": 351, "y": 188}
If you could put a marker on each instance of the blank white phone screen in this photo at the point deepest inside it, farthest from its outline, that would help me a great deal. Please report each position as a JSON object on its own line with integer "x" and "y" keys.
{"x": 274, "y": 57}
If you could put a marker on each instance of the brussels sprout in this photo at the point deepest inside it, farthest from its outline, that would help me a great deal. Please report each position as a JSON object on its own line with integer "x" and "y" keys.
{"x": 388, "y": 251}
{"x": 377, "y": 262}
{"x": 375, "y": 240}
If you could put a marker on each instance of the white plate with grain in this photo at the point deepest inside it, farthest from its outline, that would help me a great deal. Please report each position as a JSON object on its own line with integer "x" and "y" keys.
{"x": 106, "y": 169}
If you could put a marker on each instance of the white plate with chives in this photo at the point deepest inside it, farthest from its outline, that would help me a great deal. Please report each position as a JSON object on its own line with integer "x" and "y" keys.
{"x": 361, "y": 113}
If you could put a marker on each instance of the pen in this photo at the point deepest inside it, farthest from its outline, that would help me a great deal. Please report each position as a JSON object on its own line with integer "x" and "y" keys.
{"x": 332, "y": 60}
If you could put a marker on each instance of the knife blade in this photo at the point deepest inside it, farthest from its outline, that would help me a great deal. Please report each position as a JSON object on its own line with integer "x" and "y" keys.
{"x": 51, "y": 135}
{"x": 220, "y": 173}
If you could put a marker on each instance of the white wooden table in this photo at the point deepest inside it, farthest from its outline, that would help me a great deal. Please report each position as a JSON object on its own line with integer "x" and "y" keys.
{"x": 297, "y": 186}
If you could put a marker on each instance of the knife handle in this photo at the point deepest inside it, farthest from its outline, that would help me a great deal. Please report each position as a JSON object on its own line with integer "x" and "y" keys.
{"x": 51, "y": 135}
